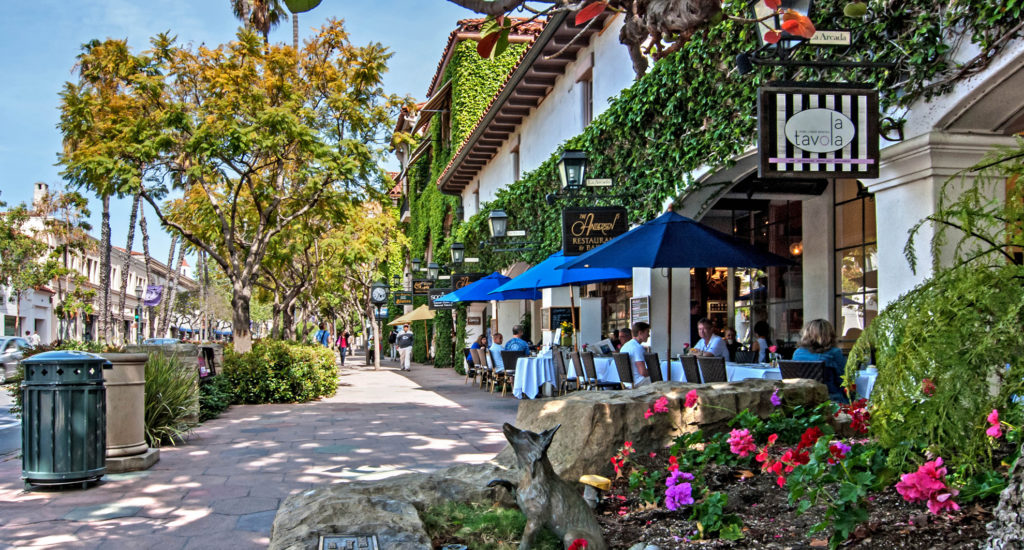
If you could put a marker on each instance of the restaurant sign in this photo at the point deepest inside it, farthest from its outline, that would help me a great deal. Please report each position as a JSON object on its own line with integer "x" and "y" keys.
{"x": 436, "y": 293}
{"x": 420, "y": 287}
{"x": 460, "y": 280}
{"x": 818, "y": 131}
{"x": 403, "y": 298}
{"x": 586, "y": 228}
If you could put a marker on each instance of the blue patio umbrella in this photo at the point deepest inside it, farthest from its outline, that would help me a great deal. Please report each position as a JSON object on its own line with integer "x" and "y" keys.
{"x": 546, "y": 274}
{"x": 669, "y": 241}
{"x": 479, "y": 291}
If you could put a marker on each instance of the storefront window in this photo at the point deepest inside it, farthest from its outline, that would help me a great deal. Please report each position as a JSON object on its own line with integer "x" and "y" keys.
{"x": 773, "y": 295}
{"x": 856, "y": 260}
{"x": 615, "y": 302}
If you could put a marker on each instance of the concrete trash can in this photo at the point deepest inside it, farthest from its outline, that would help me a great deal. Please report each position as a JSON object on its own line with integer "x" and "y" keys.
{"x": 126, "y": 404}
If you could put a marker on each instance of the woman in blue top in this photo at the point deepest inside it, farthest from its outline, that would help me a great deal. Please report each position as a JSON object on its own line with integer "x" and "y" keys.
{"x": 818, "y": 343}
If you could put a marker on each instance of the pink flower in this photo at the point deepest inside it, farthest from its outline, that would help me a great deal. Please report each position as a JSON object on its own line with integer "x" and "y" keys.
{"x": 995, "y": 428}
{"x": 691, "y": 399}
{"x": 741, "y": 442}
{"x": 773, "y": 349}
{"x": 926, "y": 485}
{"x": 943, "y": 501}
{"x": 648, "y": 413}
{"x": 775, "y": 399}
{"x": 928, "y": 387}
{"x": 661, "y": 405}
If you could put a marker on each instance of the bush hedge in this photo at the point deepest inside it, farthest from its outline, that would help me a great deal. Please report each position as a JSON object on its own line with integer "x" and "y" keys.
{"x": 281, "y": 372}
{"x": 170, "y": 399}
{"x": 215, "y": 396}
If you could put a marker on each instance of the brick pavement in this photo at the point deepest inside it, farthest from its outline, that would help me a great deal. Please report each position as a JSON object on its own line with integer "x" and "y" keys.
{"x": 222, "y": 487}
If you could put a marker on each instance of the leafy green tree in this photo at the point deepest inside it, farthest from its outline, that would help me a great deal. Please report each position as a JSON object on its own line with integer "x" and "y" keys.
{"x": 66, "y": 227}
{"x": 23, "y": 257}
{"x": 251, "y": 139}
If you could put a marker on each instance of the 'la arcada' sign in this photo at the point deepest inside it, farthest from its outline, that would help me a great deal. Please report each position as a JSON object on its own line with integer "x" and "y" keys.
{"x": 817, "y": 130}
{"x": 586, "y": 228}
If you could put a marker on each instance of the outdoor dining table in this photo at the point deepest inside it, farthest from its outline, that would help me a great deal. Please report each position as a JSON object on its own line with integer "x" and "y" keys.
{"x": 746, "y": 371}
{"x": 533, "y": 372}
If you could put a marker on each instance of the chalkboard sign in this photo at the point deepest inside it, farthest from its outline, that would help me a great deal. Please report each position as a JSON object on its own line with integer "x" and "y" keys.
{"x": 554, "y": 316}
{"x": 640, "y": 309}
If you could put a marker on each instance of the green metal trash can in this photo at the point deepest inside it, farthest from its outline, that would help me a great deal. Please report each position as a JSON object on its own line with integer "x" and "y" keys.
{"x": 64, "y": 418}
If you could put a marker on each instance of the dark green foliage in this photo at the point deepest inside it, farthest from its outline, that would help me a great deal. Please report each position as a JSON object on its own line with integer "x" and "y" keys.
{"x": 281, "y": 372}
{"x": 443, "y": 330}
{"x": 171, "y": 399}
{"x": 481, "y": 527}
{"x": 215, "y": 396}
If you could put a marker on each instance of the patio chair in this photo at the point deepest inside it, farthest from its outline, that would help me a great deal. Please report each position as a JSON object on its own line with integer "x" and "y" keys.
{"x": 471, "y": 370}
{"x": 690, "y": 369}
{"x": 591, "y": 370}
{"x": 625, "y": 370}
{"x": 745, "y": 357}
{"x": 654, "y": 367}
{"x": 812, "y": 370}
{"x": 712, "y": 369}
{"x": 582, "y": 381}
{"x": 561, "y": 373}
{"x": 508, "y": 376}
{"x": 482, "y": 366}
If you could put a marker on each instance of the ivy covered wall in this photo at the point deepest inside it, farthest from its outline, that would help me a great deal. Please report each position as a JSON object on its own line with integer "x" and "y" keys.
{"x": 475, "y": 81}
{"x": 693, "y": 109}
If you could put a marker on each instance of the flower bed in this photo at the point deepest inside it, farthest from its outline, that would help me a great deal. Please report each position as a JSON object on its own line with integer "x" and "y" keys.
{"x": 789, "y": 480}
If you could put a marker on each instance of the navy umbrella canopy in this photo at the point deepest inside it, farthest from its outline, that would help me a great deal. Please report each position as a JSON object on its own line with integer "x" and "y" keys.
{"x": 671, "y": 240}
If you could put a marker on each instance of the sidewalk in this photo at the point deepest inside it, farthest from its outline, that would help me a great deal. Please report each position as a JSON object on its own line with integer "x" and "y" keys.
{"x": 222, "y": 488}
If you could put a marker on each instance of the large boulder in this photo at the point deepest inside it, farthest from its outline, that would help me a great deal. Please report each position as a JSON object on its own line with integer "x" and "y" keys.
{"x": 387, "y": 507}
{"x": 596, "y": 423}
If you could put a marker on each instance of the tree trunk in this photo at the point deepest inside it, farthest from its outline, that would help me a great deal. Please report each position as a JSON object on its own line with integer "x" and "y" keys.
{"x": 165, "y": 305}
{"x": 295, "y": 33}
{"x": 172, "y": 292}
{"x": 104, "y": 316}
{"x": 148, "y": 260}
{"x": 1006, "y": 532}
{"x": 128, "y": 261}
{"x": 240, "y": 297}
{"x": 278, "y": 310}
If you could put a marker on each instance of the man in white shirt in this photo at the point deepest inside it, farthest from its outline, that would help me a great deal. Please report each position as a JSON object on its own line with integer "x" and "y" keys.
{"x": 495, "y": 350}
{"x": 404, "y": 341}
{"x": 635, "y": 350}
{"x": 710, "y": 344}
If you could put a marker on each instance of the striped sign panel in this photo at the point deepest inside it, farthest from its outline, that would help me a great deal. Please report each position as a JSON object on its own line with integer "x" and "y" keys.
{"x": 818, "y": 131}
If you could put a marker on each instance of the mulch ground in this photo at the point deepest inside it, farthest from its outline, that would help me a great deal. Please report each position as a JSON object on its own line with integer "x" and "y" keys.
{"x": 770, "y": 522}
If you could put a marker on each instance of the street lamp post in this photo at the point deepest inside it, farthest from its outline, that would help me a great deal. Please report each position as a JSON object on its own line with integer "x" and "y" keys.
{"x": 138, "y": 314}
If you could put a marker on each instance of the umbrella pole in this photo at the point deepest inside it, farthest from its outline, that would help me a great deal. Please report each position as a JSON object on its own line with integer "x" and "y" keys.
{"x": 668, "y": 350}
{"x": 572, "y": 315}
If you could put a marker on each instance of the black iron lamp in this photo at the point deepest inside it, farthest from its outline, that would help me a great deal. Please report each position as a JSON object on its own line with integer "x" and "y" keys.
{"x": 460, "y": 212}
{"x": 416, "y": 264}
{"x": 432, "y": 270}
{"x": 571, "y": 168}
{"x": 499, "y": 223}
{"x": 396, "y": 281}
{"x": 458, "y": 253}
{"x": 138, "y": 314}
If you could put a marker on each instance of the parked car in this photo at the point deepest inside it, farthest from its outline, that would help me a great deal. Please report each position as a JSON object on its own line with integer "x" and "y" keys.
{"x": 160, "y": 341}
{"x": 11, "y": 353}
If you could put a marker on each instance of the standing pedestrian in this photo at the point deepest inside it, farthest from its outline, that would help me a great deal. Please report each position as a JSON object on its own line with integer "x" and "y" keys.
{"x": 342, "y": 344}
{"x": 404, "y": 341}
{"x": 391, "y": 343}
{"x": 323, "y": 336}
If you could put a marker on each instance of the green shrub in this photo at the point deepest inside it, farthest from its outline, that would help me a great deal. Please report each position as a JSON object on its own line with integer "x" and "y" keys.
{"x": 171, "y": 399}
{"x": 481, "y": 527}
{"x": 215, "y": 396}
{"x": 281, "y": 372}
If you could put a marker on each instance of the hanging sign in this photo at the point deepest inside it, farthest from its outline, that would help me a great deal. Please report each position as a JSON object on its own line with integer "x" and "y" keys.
{"x": 153, "y": 295}
{"x": 420, "y": 287}
{"x": 403, "y": 298}
{"x": 436, "y": 293}
{"x": 586, "y": 228}
{"x": 818, "y": 131}
{"x": 460, "y": 280}
{"x": 640, "y": 309}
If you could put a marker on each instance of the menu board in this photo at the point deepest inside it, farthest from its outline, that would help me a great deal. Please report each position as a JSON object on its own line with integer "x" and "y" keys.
{"x": 640, "y": 309}
{"x": 552, "y": 318}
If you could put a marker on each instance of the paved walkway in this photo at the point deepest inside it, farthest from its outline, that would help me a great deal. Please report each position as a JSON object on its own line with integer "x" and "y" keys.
{"x": 222, "y": 488}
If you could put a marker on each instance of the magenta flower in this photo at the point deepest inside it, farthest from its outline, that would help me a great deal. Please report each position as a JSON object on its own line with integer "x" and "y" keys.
{"x": 741, "y": 442}
{"x": 995, "y": 428}
{"x": 926, "y": 485}
{"x": 679, "y": 495}
{"x": 675, "y": 476}
{"x": 775, "y": 399}
{"x": 648, "y": 413}
{"x": 661, "y": 405}
{"x": 691, "y": 399}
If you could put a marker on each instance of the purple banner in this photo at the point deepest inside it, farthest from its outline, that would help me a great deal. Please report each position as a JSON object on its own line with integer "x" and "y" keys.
{"x": 153, "y": 295}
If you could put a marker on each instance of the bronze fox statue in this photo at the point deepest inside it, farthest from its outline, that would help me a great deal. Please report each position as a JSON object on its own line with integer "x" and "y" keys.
{"x": 545, "y": 498}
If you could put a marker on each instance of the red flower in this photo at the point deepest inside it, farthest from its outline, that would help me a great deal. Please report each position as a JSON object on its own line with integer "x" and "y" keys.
{"x": 809, "y": 438}
{"x": 578, "y": 544}
{"x": 673, "y": 463}
{"x": 928, "y": 387}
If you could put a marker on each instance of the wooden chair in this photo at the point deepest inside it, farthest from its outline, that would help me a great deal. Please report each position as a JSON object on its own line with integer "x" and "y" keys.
{"x": 508, "y": 376}
{"x": 654, "y": 367}
{"x": 561, "y": 373}
{"x": 482, "y": 366}
{"x": 712, "y": 369}
{"x": 624, "y": 368}
{"x": 582, "y": 381}
{"x": 591, "y": 369}
{"x": 745, "y": 357}
{"x": 690, "y": 369}
{"x": 812, "y": 370}
{"x": 471, "y": 370}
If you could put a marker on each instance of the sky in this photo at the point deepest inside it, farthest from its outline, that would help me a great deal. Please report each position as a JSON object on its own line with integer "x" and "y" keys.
{"x": 39, "y": 41}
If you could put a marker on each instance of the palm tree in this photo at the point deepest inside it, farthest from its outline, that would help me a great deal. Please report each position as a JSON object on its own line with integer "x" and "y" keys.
{"x": 148, "y": 260}
{"x": 128, "y": 258}
{"x": 260, "y": 15}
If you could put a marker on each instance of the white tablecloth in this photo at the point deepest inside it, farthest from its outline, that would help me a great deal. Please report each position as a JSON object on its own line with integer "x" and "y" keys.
{"x": 866, "y": 383}
{"x": 531, "y": 374}
{"x": 733, "y": 372}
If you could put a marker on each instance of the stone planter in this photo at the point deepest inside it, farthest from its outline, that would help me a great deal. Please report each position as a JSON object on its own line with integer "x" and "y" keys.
{"x": 126, "y": 413}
